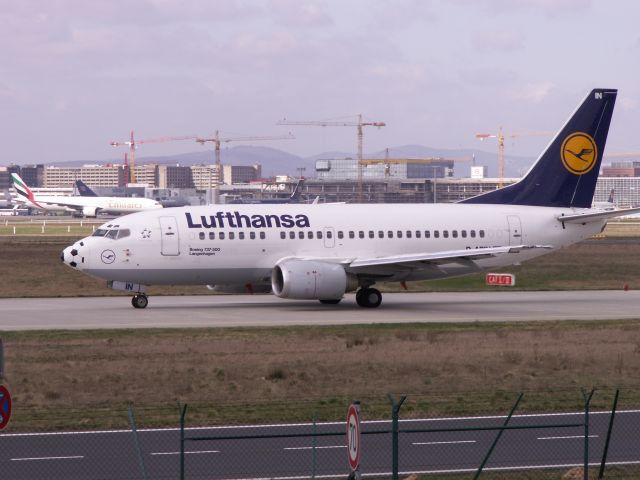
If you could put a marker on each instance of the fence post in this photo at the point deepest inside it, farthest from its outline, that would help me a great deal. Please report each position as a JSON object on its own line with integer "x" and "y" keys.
{"x": 1, "y": 360}
{"x": 587, "y": 401}
{"x": 495, "y": 441}
{"x": 183, "y": 412}
{"x": 395, "y": 415}
{"x": 314, "y": 459}
{"x": 134, "y": 430}
{"x": 606, "y": 443}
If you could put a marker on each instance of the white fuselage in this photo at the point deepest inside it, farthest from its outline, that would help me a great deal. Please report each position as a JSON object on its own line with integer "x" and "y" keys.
{"x": 240, "y": 244}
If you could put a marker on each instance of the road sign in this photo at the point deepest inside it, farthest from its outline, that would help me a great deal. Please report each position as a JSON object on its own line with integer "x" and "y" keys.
{"x": 501, "y": 279}
{"x": 353, "y": 436}
{"x": 5, "y": 406}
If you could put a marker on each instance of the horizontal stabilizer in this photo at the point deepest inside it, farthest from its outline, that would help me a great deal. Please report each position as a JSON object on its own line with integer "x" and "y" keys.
{"x": 595, "y": 217}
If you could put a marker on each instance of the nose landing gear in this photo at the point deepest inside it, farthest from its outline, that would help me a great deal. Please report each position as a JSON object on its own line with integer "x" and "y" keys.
{"x": 139, "y": 301}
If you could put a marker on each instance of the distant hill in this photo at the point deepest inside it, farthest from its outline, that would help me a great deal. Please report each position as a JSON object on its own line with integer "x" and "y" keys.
{"x": 278, "y": 162}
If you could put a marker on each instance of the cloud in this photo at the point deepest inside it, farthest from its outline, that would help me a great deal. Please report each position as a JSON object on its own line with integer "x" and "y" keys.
{"x": 300, "y": 13}
{"x": 532, "y": 92}
{"x": 503, "y": 41}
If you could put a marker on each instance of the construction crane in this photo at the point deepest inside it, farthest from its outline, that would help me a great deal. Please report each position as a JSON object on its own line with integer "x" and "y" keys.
{"x": 217, "y": 140}
{"x": 133, "y": 144}
{"x": 500, "y": 136}
{"x": 359, "y": 124}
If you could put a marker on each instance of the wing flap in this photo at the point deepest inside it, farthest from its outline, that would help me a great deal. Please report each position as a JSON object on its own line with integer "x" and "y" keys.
{"x": 466, "y": 257}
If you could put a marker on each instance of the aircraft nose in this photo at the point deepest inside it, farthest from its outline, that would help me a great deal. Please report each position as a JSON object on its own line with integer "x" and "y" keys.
{"x": 74, "y": 255}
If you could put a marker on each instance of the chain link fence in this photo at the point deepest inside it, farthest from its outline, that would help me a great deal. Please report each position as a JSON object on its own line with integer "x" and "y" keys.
{"x": 499, "y": 436}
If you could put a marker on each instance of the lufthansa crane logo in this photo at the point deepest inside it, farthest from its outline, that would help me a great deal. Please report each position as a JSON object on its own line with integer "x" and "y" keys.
{"x": 579, "y": 153}
{"x": 108, "y": 256}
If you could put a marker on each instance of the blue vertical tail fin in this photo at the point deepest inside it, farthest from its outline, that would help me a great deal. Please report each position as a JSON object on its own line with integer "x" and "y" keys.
{"x": 84, "y": 190}
{"x": 565, "y": 174}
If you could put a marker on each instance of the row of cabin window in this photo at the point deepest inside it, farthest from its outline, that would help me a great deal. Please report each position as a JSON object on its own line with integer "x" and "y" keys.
{"x": 232, "y": 235}
{"x": 361, "y": 234}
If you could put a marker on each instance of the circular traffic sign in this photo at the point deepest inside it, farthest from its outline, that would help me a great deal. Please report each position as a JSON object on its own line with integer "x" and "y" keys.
{"x": 353, "y": 437}
{"x": 5, "y": 406}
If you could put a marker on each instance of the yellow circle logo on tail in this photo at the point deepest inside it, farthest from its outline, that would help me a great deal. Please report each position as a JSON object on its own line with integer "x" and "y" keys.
{"x": 579, "y": 153}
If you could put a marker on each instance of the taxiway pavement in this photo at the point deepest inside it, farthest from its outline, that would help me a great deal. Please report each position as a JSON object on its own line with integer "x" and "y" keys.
{"x": 268, "y": 310}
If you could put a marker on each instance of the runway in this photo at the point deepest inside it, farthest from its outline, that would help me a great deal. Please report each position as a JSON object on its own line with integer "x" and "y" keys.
{"x": 267, "y": 310}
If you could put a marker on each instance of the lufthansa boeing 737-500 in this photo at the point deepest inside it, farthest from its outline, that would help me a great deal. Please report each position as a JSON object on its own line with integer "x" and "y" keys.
{"x": 324, "y": 251}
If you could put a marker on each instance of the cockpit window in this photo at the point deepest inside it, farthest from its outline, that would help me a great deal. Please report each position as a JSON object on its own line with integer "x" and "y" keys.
{"x": 114, "y": 233}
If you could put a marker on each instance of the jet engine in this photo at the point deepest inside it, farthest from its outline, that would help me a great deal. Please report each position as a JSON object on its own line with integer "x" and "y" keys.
{"x": 89, "y": 211}
{"x": 307, "y": 280}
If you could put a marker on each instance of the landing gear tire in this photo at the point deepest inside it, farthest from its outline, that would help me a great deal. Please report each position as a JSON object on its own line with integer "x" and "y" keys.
{"x": 139, "y": 301}
{"x": 330, "y": 301}
{"x": 368, "y": 298}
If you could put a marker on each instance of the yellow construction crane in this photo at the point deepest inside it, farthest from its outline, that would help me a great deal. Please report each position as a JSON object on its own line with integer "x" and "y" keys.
{"x": 500, "y": 136}
{"x": 217, "y": 140}
{"x": 330, "y": 123}
{"x": 133, "y": 144}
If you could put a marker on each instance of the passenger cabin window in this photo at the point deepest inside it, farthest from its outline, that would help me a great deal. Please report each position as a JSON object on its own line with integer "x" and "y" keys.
{"x": 372, "y": 234}
{"x": 310, "y": 235}
{"x": 263, "y": 235}
{"x": 481, "y": 233}
{"x": 418, "y": 233}
{"x": 436, "y": 234}
{"x": 360, "y": 234}
{"x": 301, "y": 235}
{"x": 252, "y": 235}
{"x": 319, "y": 235}
{"x": 445, "y": 233}
{"x": 283, "y": 235}
{"x": 212, "y": 236}
{"x": 221, "y": 235}
{"x": 389, "y": 234}
{"x": 241, "y": 235}
{"x": 329, "y": 234}
{"x": 201, "y": 235}
{"x": 454, "y": 234}
{"x": 464, "y": 233}
{"x": 427, "y": 234}
{"x": 292, "y": 235}
{"x": 232, "y": 235}
{"x": 399, "y": 233}
{"x": 352, "y": 234}
{"x": 340, "y": 234}
{"x": 473, "y": 234}
{"x": 408, "y": 233}
{"x": 380, "y": 234}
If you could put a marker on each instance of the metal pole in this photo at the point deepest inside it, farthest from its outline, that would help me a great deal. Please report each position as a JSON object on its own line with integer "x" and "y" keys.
{"x": 132, "y": 422}
{"x": 314, "y": 459}
{"x": 395, "y": 416}
{"x": 183, "y": 411}
{"x": 587, "y": 401}
{"x": 1, "y": 360}
{"x": 606, "y": 443}
{"x": 495, "y": 441}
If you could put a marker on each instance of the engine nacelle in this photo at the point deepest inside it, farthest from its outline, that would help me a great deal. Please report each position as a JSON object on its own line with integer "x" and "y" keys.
{"x": 90, "y": 211}
{"x": 311, "y": 280}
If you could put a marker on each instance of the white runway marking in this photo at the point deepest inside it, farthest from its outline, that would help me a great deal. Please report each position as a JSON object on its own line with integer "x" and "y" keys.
{"x": 317, "y": 448}
{"x": 186, "y": 453}
{"x": 47, "y": 458}
{"x": 444, "y": 443}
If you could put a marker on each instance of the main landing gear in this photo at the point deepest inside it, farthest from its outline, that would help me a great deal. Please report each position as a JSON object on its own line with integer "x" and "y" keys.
{"x": 139, "y": 301}
{"x": 368, "y": 297}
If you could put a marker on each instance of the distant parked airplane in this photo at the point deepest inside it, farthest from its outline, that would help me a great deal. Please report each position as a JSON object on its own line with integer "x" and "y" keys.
{"x": 87, "y": 206}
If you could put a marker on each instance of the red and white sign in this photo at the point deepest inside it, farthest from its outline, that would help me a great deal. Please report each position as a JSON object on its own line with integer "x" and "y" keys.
{"x": 353, "y": 437}
{"x": 501, "y": 279}
{"x": 5, "y": 406}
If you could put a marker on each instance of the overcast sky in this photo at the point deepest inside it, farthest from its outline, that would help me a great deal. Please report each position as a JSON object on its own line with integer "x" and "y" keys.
{"x": 76, "y": 74}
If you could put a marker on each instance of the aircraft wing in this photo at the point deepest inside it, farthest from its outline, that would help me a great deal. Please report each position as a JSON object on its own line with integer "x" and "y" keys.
{"x": 430, "y": 260}
{"x": 594, "y": 217}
